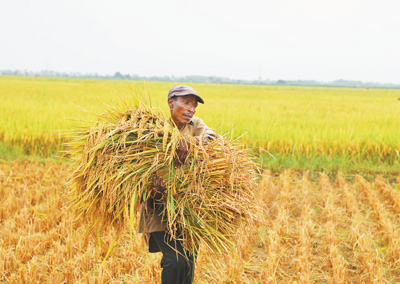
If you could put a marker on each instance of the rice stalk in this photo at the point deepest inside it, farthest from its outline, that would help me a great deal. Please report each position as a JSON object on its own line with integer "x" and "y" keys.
{"x": 116, "y": 159}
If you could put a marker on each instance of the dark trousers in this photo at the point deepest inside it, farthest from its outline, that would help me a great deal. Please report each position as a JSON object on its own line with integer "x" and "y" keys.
{"x": 177, "y": 267}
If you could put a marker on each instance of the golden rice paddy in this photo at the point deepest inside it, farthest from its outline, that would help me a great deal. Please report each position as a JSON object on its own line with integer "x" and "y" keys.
{"x": 320, "y": 231}
{"x": 361, "y": 124}
{"x": 313, "y": 228}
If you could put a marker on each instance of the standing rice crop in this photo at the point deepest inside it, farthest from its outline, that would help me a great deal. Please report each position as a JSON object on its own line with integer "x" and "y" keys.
{"x": 118, "y": 156}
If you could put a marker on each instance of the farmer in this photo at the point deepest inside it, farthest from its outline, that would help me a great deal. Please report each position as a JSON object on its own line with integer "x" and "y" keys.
{"x": 176, "y": 267}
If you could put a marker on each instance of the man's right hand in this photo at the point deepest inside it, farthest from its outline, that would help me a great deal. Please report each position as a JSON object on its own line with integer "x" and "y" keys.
{"x": 158, "y": 190}
{"x": 182, "y": 152}
{"x": 159, "y": 184}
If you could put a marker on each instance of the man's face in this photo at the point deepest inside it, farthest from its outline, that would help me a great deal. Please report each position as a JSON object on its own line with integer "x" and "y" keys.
{"x": 182, "y": 109}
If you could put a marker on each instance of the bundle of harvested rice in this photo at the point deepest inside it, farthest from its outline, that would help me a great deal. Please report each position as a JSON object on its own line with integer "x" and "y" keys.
{"x": 117, "y": 158}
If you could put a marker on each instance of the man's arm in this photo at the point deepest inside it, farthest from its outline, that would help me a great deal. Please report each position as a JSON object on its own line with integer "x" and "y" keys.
{"x": 202, "y": 131}
{"x": 182, "y": 151}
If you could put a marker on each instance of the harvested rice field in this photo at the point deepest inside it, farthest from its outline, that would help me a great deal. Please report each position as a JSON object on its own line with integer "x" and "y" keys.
{"x": 322, "y": 230}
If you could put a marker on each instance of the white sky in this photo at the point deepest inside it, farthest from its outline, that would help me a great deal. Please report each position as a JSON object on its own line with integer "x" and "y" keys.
{"x": 280, "y": 39}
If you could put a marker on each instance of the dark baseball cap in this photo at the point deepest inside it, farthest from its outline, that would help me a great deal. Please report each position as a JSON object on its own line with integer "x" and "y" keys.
{"x": 182, "y": 90}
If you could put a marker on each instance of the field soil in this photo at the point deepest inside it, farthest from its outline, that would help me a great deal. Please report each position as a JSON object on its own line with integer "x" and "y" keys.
{"x": 310, "y": 231}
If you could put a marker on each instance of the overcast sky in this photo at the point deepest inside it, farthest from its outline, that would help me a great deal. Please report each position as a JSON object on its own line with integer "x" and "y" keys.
{"x": 280, "y": 39}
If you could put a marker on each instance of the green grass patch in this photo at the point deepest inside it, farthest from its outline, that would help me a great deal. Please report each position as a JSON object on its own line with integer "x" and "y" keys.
{"x": 368, "y": 168}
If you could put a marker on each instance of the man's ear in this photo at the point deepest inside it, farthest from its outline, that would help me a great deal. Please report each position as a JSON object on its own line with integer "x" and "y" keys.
{"x": 170, "y": 102}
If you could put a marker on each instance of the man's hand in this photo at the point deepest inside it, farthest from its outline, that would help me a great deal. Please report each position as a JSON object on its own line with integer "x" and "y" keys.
{"x": 159, "y": 189}
{"x": 159, "y": 184}
{"x": 182, "y": 152}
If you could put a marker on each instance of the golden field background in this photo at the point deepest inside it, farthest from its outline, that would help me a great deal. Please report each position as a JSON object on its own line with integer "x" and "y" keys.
{"x": 310, "y": 232}
{"x": 313, "y": 229}
{"x": 360, "y": 124}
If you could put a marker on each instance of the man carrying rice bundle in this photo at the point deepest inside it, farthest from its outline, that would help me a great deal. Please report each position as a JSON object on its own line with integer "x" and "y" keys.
{"x": 177, "y": 264}
{"x": 188, "y": 187}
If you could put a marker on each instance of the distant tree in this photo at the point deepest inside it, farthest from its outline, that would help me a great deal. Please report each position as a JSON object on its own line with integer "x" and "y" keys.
{"x": 118, "y": 75}
{"x": 281, "y": 82}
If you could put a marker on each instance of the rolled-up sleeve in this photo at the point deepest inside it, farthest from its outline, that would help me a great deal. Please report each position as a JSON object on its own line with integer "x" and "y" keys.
{"x": 202, "y": 131}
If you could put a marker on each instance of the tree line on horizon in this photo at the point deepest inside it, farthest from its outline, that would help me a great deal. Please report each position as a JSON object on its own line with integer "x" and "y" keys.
{"x": 199, "y": 79}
